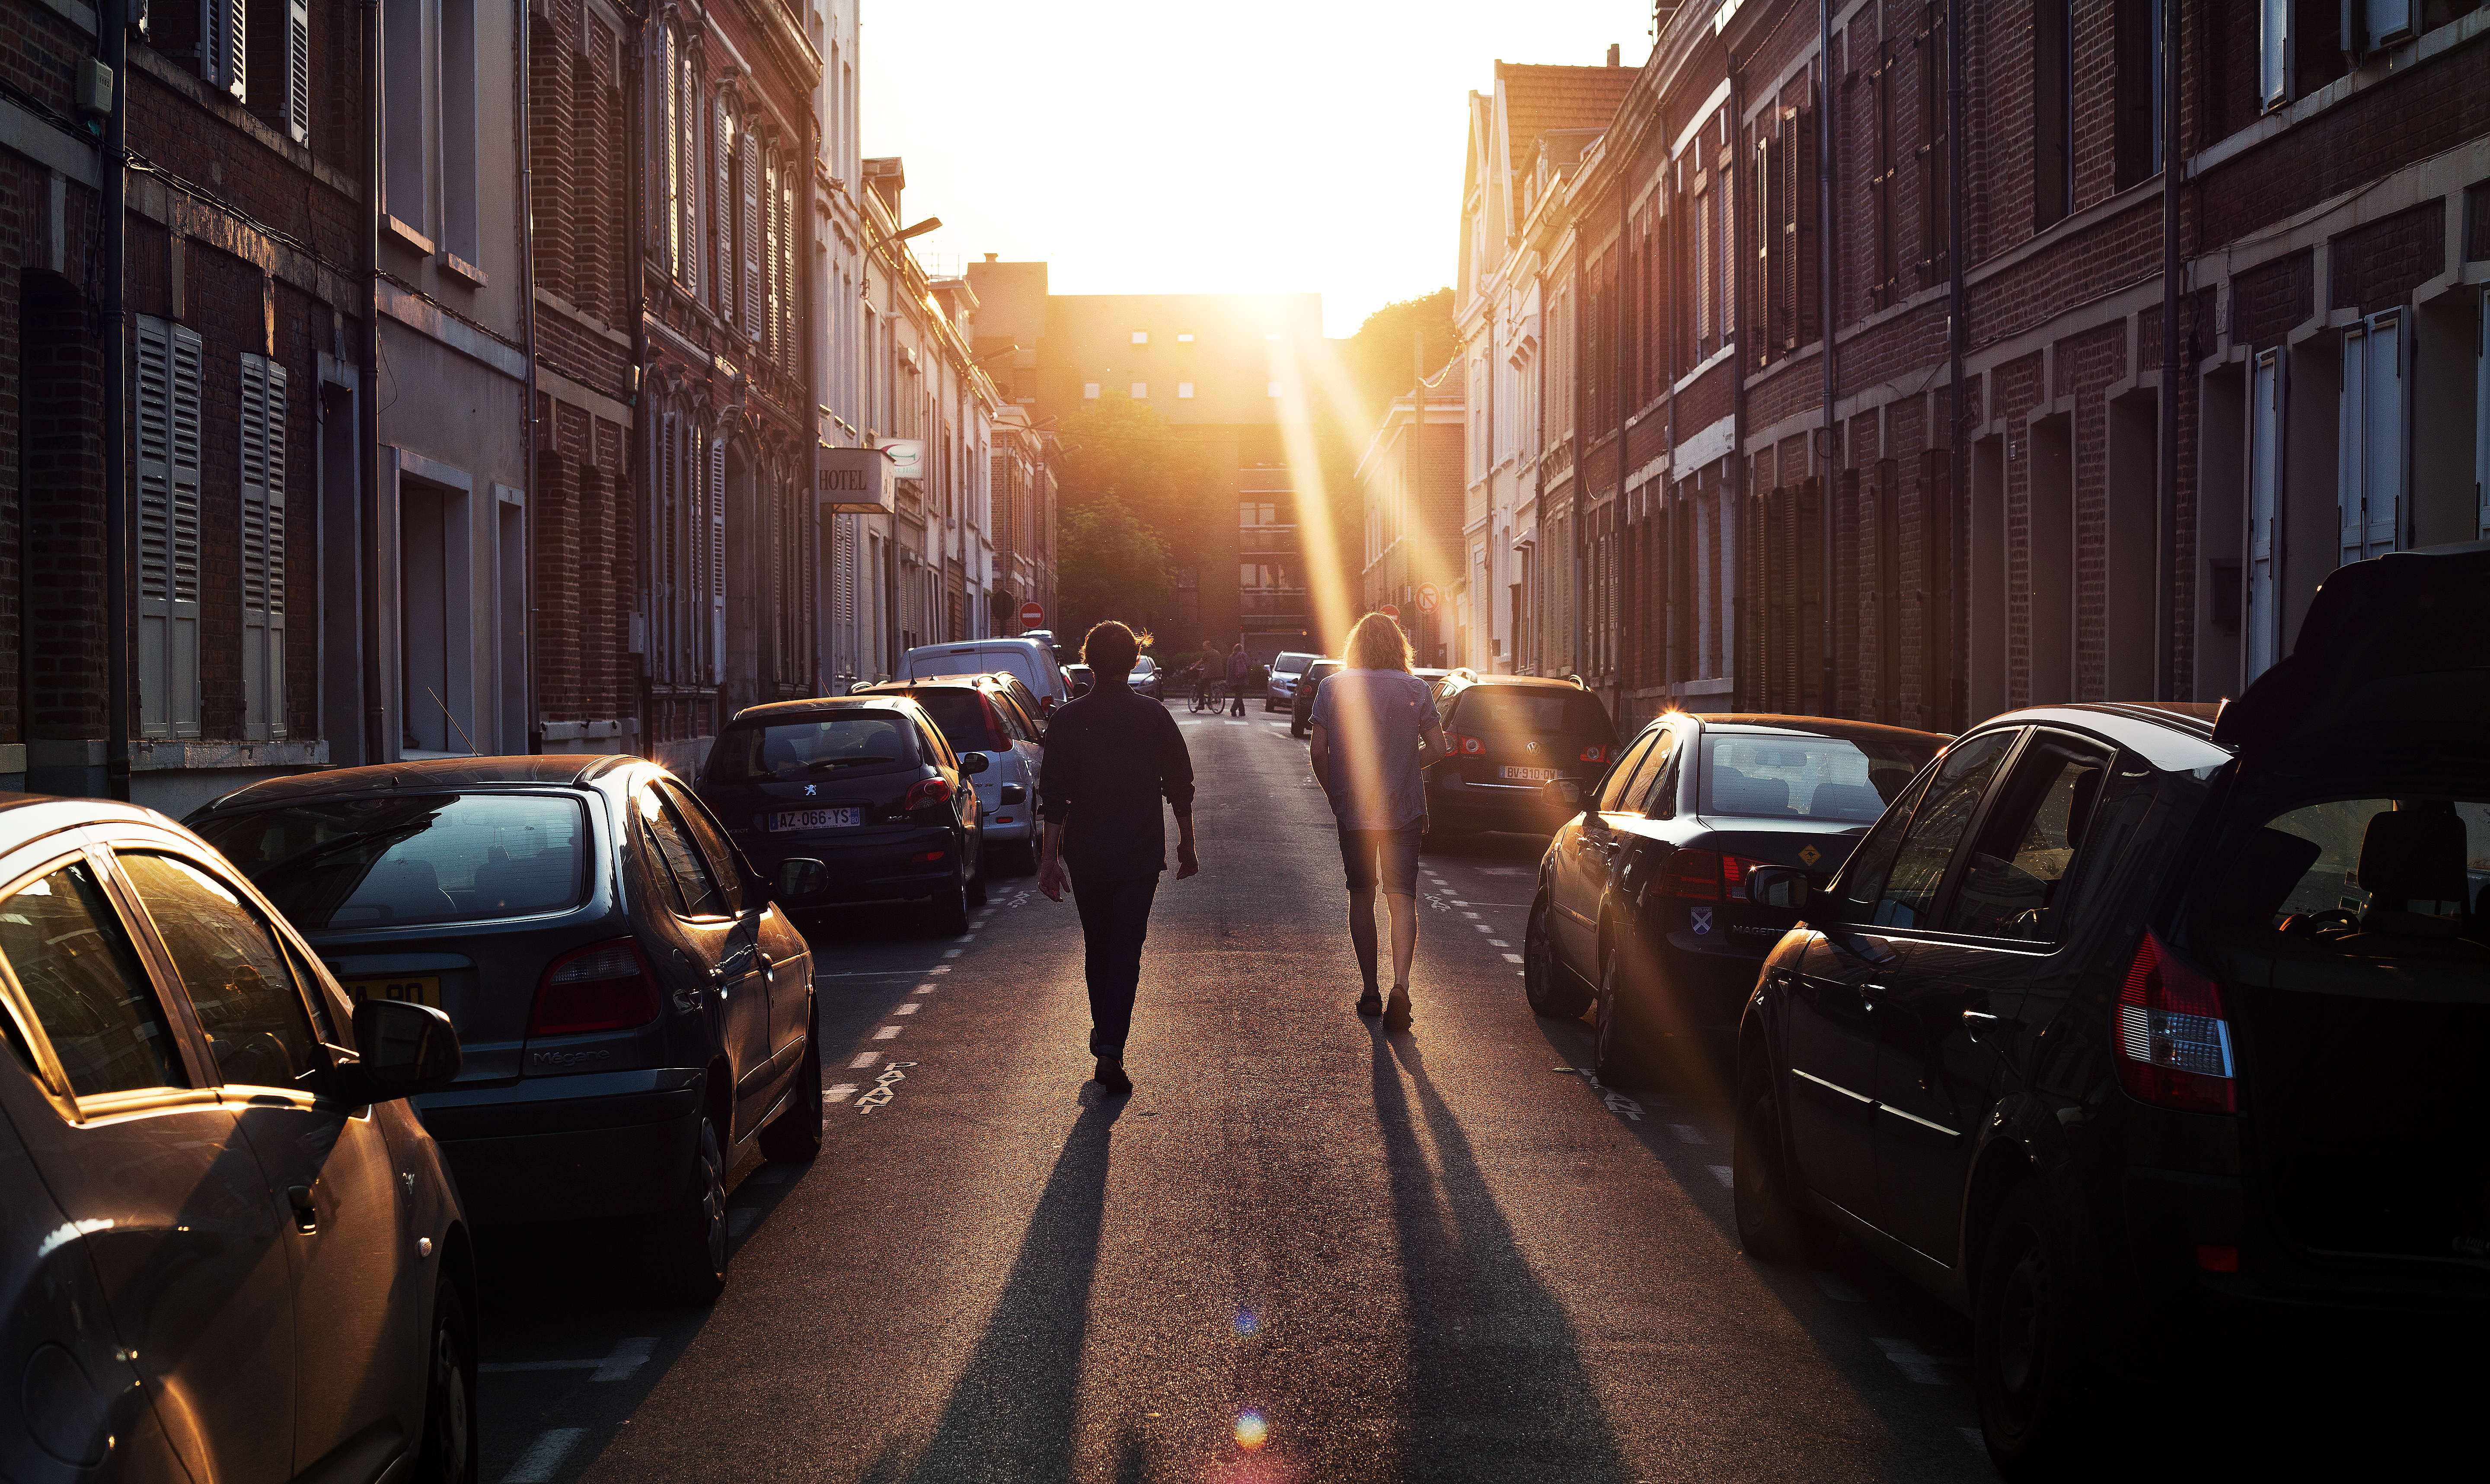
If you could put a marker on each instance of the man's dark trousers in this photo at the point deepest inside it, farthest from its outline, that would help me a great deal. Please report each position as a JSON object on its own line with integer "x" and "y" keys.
{"x": 1115, "y": 919}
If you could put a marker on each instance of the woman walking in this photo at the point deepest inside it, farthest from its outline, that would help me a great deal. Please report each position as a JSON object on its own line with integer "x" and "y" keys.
{"x": 1374, "y": 727}
{"x": 1111, "y": 756}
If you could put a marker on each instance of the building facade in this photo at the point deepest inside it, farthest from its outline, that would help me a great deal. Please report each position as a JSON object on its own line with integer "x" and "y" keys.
{"x": 1410, "y": 492}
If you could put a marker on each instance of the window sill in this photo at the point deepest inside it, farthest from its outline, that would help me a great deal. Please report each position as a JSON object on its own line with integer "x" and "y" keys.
{"x": 407, "y": 236}
{"x": 462, "y": 269}
{"x": 2377, "y": 69}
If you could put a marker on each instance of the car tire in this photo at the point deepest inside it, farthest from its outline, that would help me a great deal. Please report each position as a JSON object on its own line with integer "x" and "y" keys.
{"x": 1623, "y": 1057}
{"x": 450, "y": 1450}
{"x": 1546, "y": 984}
{"x": 795, "y": 1135}
{"x": 1297, "y": 728}
{"x": 977, "y": 883}
{"x": 950, "y": 909}
{"x": 2032, "y": 1369}
{"x": 1773, "y": 1222}
{"x": 692, "y": 1241}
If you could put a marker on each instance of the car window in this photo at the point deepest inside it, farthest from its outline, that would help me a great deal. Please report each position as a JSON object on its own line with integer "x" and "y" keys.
{"x": 801, "y": 749}
{"x": 1612, "y": 788}
{"x": 1644, "y": 792}
{"x": 1901, "y": 889}
{"x": 725, "y": 861}
{"x": 82, "y": 981}
{"x": 961, "y": 715}
{"x": 2376, "y": 877}
{"x": 402, "y": 860}
{"x": 238, "y": 981}
{"x": 680, "y": 864}
{"x": 2016, "y": 874}
{"x": 1796, "y": 775}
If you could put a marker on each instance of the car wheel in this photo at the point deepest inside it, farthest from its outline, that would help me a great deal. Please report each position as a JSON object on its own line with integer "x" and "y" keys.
{"x": 1772, "y": 1222}
{"x": 1544, "y": 983}
{"x": 977, "y": 883}
{"x": 693, "y": 1245}
{"x": 950, "y": 905}
{"x": 450, "y": 1433}
{"x": 1624, "y": 1047}
{"x": 2028, "y": 1356}
{"x": 1297, "y": 728}
{"x": 795, "y": 1135}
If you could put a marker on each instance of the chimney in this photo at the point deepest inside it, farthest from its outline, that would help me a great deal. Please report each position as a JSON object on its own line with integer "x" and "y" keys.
{"x": 991, "y": 256}
{"x": 1614, "y": 58}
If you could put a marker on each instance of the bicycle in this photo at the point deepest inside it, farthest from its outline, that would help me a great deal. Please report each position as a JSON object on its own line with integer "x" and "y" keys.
{"x": 1209, "y": 695}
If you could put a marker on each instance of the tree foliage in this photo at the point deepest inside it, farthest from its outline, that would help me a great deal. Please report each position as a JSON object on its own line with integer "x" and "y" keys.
{"x": 1117, "y": 449}
{"x": 1113, "y": 565}
{"x": 1379, "y": 358}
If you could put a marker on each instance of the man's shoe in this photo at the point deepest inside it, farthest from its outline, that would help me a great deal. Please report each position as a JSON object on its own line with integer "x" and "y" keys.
{"x": 1111, "y": 1075}
{"x": 1396, "y": 1015}
{"x": 1370, "y": 1003}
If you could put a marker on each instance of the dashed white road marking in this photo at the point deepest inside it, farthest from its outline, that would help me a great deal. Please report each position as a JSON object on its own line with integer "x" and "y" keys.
{"x": 940, "y": 969}
{"x": 1466, "y": 913}
{"x": 1971, "y": 1434}
{"x": 922, "y": 989}
{"x": 889, "y": 1033}
{"x": 543, "y": 1457}
{"x": 1724, "y": 1174}
{"x": 771, "y": 1174}
{"x": 905, "y": 1008}
{"x": 1513, "y": 958}
{"x": 863, "y": 1058}
{"x": 950, "y": 953}
{"x": 1497, "y": 943}
{"x": 837, "y": 1092}
{"x": 1834, "y": 1287}
{"x": 616, "y": 1365}
{"x": 1688, "y": 1133}
{"x": 1484, "y": 927}
{"x": 965, "y": 938}
{"x": 1916, "y": 1363}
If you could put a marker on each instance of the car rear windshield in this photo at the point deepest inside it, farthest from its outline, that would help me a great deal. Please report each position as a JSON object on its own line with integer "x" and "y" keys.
{"x": 961, "y": 714}
{"x": 403, "y": 861}
{"x": 802, "y": 750}
{"x": 1791, "y": 776}
{"x": 1490, "y": 709}
{"x": 1290, "y": 664}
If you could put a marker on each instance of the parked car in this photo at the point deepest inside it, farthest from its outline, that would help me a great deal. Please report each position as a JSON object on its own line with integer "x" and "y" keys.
{"x": 1301, "y": 701}
{"x": 228, "y": 1248}
{"x": 1032, "y": 659}
{"x": 636, "y": 1009}
{"x": 1079, "y": 679}
{"x": 864, "y": 784}
{"x": 2134, "y": 1019}
{"x": 1144, "y": 679}
{"x": 1512, "y": 736}
{"x": 1641, "y": 901}
{"x": 1280, "y": 687}
{"x": 978, "y": 716}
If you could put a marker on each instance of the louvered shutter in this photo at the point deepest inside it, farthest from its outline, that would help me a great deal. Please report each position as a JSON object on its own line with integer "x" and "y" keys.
{"x": 2373, "y": 433}
{"x": 722, "y": 209}
{"x": 262, "y": 549}
{"x": 2263, "y": 622}
{"x": 770, "y": 230}
{"x": 751, "y": 210}
{"x": 673, "y": 164}
{"x": 687, "y": 125}
{"x": 167, "y": 406}
{"x": 787, "y": 265}
{"x": 298, "y": 70}
{"x": 224, "y": 33}
{"x": 713, "y": 566}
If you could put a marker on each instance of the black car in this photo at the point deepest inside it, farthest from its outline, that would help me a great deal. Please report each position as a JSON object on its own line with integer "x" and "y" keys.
{"x": 2157, "y": 1021}
{"x": 864, "y": 784}
{"x": 1301, "y": 703}
{"x": 1511, "y": 735}
{"x": 636, "y": 1012}
{"x": 1642, "y": 897}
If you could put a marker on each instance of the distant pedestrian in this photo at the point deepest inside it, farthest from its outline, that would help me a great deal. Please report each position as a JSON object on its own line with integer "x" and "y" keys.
{"x": 1111, "y": 756}
{"x": 1374, "y": 728}
{"x": 1240, "y": 668}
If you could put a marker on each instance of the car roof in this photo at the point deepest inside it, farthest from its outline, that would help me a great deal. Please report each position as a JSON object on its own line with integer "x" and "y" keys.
{"x": 2170, "y": 735}
{"x": 819, "y": 704}
{"x": 1526, "y": 682}
{"x": 1821, "y": 726}
{"x": 556, "y": 770}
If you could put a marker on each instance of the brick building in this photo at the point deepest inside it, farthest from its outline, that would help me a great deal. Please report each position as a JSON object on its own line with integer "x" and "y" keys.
{"x": 2069, "y": 534}
{"x": 1411, "y": 497}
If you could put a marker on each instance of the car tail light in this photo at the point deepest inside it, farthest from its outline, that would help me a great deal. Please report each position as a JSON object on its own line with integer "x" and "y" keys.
{"x": 604, "y": 987}
{"x": 1466, "y": 747}
{"x": 1707, "y": 875}
{"x": 997, "y": 739}
{"x": 2174, "y": 1040}
{"x": 924, "y": 792}
{"x": 1595, "y": 753}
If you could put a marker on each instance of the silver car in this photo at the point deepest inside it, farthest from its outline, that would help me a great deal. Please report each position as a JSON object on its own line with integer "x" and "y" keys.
{"x": 636, "y": 1012}
{"x": 228, "y": 1249}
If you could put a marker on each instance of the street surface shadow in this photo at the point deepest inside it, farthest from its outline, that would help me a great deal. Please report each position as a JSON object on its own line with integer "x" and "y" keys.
{"x": 1460, "y": 1266}
{"x": 1013, "y": 1412}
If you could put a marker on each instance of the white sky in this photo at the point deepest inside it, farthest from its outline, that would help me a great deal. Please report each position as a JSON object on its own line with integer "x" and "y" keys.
{"x": 1300, "y": 145}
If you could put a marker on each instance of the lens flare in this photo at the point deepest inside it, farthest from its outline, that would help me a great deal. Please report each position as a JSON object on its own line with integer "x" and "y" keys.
{"x": 1251, "y": 1431}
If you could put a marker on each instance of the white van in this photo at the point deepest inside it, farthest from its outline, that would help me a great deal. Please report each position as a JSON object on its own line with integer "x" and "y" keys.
{"x": 1031, "y": 659}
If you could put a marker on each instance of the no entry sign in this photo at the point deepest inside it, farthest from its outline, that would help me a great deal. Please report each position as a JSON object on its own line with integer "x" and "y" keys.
{"x": 1390, "y": 610}
{"x": 1031, "y": 614}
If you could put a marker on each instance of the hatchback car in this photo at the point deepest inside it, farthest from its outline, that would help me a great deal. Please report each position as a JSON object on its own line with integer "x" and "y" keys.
{"x": 228, "y": 1248}
{"x": 1641, "y": 898}
{"x": 2161, "y": 1020}
{"x": 864, "y": 784}
{"x": 979, "y": 716}
{"x": 636, "y": 1010}
{"x": 1146, "y": 677}
{"x": 1032, "y": 660}
{"x": 1280, "y": 687}
{"x": 1301, "y": 705}
{"x": 1511, "y": 735}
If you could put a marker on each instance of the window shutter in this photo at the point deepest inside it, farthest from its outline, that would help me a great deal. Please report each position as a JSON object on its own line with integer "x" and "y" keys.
{"x": 673, "y": 164}
{"x": 751, "y": 208}
{"x": 263, "y": 548}
{"x": 721, "y": 207}
{"x": 2273, "y": 52}
{"x": 2263, "y": 623}
{"x": 687, "y": 114}
{"x": 298, "y": 70}
{"x": 769, "y": 249}
{"x": 167, "y": 405}
{"x": 714, "y": 577}
{"x": 2372, "y": 432}
{"x": 786, "y": 264}
{"x": 224, "y": 40}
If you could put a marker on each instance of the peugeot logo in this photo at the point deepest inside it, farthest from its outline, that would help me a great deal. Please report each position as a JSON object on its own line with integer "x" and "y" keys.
{"x": 810, "y": 790}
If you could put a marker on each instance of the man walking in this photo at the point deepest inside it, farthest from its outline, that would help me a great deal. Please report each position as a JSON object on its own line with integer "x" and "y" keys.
{"x": 1111, "y": 756}
{"x": 1374, "y": 727}
{"x": 1240, "y": 668}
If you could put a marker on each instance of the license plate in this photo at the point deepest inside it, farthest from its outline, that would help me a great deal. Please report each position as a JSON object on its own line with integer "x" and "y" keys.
{"x": 1527, "y": 774}
{"x": 817, "y": 819}
{"x": 407, "y": 989}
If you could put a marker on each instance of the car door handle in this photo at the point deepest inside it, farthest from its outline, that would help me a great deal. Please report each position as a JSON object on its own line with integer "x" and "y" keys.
{"x": 1974, "y": 1021}
{"x": 307, "y": 1212}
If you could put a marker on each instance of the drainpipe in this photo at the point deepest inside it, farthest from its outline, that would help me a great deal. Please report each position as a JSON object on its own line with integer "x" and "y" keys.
{"x": 643, "y": 432}
{"x": 1668, "y": 504}
{"x": 1625, "y": 231}
{"x": 1582, "y": 476}
{"x": 113, "y": 44}
{"x": 367, "y": 390}
{"x": 1957, "y": 336}
{"x": 1827, "y": 687}
{"x": 1735, "y": 280}
{"x": 528, "y": 520}
{"x": 2165, "y": 510}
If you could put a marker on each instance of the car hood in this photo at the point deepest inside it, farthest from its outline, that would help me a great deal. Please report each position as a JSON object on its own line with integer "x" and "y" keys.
{"x": 2402, "y": 640}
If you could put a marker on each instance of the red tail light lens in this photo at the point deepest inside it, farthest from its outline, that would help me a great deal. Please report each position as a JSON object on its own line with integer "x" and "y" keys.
{"x": 925, "y": 792}
{"x": 1707, "y": 876}
{"x": 997, "y": 739}
{"x": 2174, "y": 1040}
{"x": 604, "y": 987}
{"x": 1595, "y": 753}
{"x": 1466, "y": 747}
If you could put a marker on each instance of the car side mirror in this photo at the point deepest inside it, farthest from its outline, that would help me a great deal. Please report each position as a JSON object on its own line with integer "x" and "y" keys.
{"x": 798, "y": 876}
{"x": 406, "y": 1049}
{"x": 1779, "y": 885}
{"x": 975, "y": 762}
{"x": 1563, "y": 793}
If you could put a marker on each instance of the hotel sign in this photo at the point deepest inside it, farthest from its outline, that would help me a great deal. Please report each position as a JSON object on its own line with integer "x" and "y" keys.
{"x": 853, "y": 481}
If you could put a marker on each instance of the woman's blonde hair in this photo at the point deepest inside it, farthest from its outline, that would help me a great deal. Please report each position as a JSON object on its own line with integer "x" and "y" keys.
{"x": 1378, "y": 643}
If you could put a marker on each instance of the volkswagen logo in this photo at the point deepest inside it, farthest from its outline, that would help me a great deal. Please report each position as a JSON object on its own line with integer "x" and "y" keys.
{"x": 1529, "y": 746}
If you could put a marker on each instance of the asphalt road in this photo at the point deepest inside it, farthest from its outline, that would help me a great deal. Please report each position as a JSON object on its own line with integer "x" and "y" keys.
{"x": 1302, "y": 1250}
